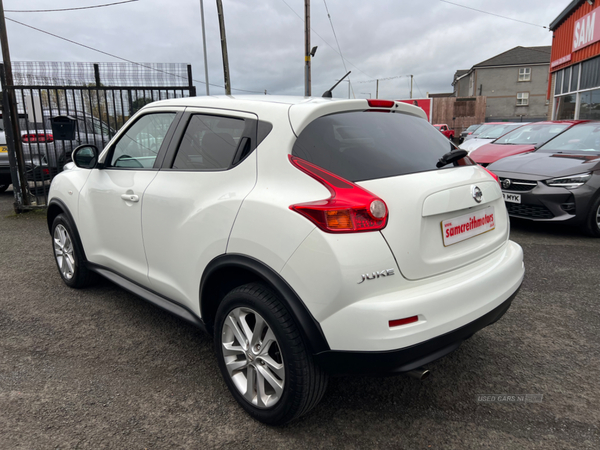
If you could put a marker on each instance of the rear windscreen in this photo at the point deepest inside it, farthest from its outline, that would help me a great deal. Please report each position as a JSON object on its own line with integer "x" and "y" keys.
{"x": 366, "y": 145}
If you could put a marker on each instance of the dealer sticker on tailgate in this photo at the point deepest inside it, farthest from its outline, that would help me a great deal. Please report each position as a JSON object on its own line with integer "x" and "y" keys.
{"x": 467, "y": 226}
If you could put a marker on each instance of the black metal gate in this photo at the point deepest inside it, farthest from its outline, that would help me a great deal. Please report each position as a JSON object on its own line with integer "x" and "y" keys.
{"x": 54, "y": 119}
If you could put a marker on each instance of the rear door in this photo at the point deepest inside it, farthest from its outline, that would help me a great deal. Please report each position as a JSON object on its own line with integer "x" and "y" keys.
{"x": 191, "y": 205}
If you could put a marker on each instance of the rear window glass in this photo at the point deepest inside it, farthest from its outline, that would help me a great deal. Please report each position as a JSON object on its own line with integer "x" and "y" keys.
{"x": 367, "y": 145}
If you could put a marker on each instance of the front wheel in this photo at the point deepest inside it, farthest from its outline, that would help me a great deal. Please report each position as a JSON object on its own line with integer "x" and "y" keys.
{"x": 592, "y": 223}
{"x": 263, "y": 358}
{"x": 69, "y": 255}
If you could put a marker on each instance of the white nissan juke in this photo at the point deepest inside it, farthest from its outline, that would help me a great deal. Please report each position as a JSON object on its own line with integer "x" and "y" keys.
{"x": 310, "y": 236}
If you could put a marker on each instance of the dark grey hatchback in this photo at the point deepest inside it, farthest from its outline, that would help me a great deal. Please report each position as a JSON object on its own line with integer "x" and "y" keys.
{"x": 559, "y": 182}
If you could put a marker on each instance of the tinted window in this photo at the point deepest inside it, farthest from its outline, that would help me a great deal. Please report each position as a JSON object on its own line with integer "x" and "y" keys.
{"x": 138, "y": 147}
{"x": 579, "y": 138}
{"x": 531, "y": 134}
{"x": 368, "y": 145}
{"x": 209, "y": 143}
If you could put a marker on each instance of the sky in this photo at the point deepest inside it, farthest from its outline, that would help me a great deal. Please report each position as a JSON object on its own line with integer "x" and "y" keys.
{"x": 379, "y": 39}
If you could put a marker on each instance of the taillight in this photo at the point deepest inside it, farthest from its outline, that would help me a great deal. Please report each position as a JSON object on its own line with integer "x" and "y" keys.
{"x": 37, "y": 137}
{"x": 492, "y": 174}
{"x": 349, "y": 209}
{"x": 376, "y": 103}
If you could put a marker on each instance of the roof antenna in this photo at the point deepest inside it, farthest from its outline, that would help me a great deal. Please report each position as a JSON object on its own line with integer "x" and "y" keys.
{"x": 327, "y": 93}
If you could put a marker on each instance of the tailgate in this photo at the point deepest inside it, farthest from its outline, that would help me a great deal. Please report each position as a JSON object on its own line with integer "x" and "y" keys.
{"x": 435, "y": 223}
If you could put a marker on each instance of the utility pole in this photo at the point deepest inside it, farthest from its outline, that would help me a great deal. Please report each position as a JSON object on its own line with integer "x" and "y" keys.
{"x": 15, "y": 155}
{"x": 307, "y": 81}
{"x": 377, "y": 90}
{"x": 411, "y": 82}
{"x": 224, "y": 48}
{"x": 204, "y": 46}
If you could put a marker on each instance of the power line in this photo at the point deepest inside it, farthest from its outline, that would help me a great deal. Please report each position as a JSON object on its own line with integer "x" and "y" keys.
{"x": 418, "y": 88}
{"x": 66, "y": 9}
{"x": 122, "y": 59}
{"x": 493, "y": 14}
{"x": 323, "y": 39}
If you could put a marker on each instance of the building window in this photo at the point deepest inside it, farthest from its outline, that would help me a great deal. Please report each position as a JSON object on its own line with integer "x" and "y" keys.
{"x": 522, "y": 98}
{"x": 525, "y": 74}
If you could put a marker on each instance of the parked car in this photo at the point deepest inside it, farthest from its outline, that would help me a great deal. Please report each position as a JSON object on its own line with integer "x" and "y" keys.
{"x": 310, "y": 237}
{"x": 489, "y": 134}
{"x": 468, "y": 132}
{"x": 522, "y": 140}
{"x": 559, "y": 182}
{"x": 5, "y": 178}
{"x": 443, "y": 128}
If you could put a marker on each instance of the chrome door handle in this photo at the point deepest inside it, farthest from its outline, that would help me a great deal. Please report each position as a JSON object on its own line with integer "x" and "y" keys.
{"x": 130, "y": 197}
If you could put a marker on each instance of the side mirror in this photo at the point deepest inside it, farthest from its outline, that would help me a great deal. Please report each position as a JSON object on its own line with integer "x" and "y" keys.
{"x": 85, "y": 156}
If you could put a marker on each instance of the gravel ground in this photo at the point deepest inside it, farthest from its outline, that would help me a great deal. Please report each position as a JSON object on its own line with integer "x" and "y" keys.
{"x": 100, "y": 368}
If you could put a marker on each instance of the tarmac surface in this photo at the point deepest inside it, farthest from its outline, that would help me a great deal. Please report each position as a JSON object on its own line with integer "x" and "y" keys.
{"x": 100, "y": 368}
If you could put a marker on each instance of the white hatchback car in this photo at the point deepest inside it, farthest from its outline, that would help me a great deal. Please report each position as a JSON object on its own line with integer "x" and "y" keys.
{"x": 309, "y": 236}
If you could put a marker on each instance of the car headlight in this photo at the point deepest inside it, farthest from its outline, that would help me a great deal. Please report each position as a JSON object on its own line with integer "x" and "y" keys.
{"x": 570, "y": 182}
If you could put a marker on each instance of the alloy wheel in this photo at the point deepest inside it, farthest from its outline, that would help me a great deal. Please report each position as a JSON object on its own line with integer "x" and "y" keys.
{"x": 63, "y": 252}
{"x": 253, "y": 357}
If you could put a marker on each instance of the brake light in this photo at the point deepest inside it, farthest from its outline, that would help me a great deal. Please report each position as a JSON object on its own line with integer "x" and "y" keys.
{"x": 349, "y": 209}
{"x": 494, "y": 176}
{"x": 37, "y": 137}
{"x": 375, "y": 103}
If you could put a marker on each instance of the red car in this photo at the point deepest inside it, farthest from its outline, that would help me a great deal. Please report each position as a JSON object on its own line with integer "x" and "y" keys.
{"x": 445, "y": 130}
{"x": 522, "y": 140}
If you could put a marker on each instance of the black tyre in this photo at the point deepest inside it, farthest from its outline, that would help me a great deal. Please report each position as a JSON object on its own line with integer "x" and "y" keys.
{"x": 592, "y": 223}
{"x": 263, "y": 357}
{"x": 69, "y": 255}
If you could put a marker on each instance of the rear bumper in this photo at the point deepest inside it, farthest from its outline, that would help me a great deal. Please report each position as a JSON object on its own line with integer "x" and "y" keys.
{"x": 409, "y": 358}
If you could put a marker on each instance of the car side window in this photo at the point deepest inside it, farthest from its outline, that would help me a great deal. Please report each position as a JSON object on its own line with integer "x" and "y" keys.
{"x": 209, "y": 143}
{"x": 138, "y": 147}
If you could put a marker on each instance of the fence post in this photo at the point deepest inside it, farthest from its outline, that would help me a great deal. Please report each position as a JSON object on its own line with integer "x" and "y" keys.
{"x": 191, "y": 81}
{"x": 13, "y": 142}
{"x": 97, "y": 74}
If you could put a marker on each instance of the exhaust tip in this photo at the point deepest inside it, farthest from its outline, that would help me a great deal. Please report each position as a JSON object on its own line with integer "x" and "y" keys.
{"x": 420, "y": 373}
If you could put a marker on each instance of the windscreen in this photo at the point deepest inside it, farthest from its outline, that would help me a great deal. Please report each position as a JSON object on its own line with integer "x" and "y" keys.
{"x": 498, "y": 130}
{"x": 532, "y": 134}
{"x": 473, "y": 127}
{"x": 366, "y": 145}
{"x": 584, "y": 137}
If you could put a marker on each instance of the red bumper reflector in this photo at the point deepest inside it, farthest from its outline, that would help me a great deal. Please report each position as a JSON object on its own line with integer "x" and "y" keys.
{"x": 405, "y": 321}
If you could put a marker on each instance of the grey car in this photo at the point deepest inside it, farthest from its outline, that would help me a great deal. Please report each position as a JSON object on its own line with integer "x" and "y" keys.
{"x": 560, "y": 182}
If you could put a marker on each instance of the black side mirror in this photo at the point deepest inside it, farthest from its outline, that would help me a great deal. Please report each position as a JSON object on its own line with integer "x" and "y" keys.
{"x": 85, "y": 156}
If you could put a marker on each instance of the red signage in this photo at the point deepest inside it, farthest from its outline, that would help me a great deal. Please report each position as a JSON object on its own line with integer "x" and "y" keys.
{"x": 423, "y": 103}
{"x": 586, "y": 31}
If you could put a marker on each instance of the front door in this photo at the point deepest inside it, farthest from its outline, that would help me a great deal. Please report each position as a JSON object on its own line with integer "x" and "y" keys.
{"x": 111, "y": 201}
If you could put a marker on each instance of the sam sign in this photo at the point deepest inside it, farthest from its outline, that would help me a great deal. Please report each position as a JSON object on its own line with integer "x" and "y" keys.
{"x": 586, "y": 31}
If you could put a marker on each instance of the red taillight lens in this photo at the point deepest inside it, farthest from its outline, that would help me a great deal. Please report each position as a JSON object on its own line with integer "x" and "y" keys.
{"x": 37, "y": 137}
{"x": 375, "y": 103}
{"x": 350, "y": 209}
{"x": 405, "y": 321}
{"x": 494, "y": 176}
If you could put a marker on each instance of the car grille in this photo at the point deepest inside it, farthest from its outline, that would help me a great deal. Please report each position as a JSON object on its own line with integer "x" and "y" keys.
{"x": 529, "y": 211}
{"x": 518, "y": 185}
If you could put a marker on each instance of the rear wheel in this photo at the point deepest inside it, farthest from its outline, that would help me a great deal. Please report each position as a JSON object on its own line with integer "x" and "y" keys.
{"x": 263, "y": 358}
{"x": 69, "y": 255}
{"x": 592, "y": 224}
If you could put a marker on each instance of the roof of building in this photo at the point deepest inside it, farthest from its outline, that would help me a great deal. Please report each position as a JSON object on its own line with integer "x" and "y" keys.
{"x": 518, "y": 56}
{"x": 565, "y": 13}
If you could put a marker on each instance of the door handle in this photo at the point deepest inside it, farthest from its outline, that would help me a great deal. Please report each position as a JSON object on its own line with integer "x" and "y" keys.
{"x": 130, "y": 197}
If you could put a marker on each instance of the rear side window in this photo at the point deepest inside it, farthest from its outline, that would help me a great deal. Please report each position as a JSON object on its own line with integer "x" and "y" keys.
{"x": 209, "y": 143}
{"x": 366, "y": 145}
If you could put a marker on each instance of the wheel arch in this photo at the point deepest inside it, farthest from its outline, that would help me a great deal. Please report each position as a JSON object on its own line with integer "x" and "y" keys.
{"x": 227, "y": 272}
{"x": 57, "y": 207}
